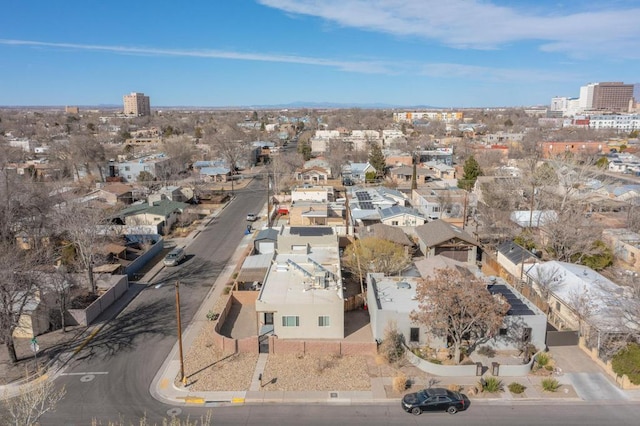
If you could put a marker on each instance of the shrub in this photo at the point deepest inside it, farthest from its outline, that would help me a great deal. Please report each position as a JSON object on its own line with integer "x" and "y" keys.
{"x": 548, "y": 367}
{"x": 227, "y": 290}
{"x": 543, "y": 359}
{"x": 627, "y": 361}
{"x": 516, "y": 388}
{"x": 454, "y": 387}
{"x": 392, "y": 346}
{"x": 400, "y": 383}
{"x": 434, "y": 361}
{"x": 492, "y": 385}
{"x": 323, "y": 364}
{"x": 487, "y": 351}
{"x": 550, "y": 385}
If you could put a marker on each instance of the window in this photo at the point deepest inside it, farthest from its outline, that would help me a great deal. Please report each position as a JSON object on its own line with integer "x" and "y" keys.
{"x": 291, "y": 321}
{"x": 323, "y": 321}
{"x": 558, "y": 306}
{"x": 502, "y": 332}
{"x": 127, "y": 168}
{"x": 268, "y": 318}
{"x": 414, "y": 334}
{"x": 394, "y": 222}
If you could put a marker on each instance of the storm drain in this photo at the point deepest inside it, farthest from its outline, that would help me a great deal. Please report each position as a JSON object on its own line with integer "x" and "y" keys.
{"x": 333, "y": 394}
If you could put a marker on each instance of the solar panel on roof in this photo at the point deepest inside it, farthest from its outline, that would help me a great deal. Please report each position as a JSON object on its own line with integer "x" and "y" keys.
{"x": 367, "y": 205}
{"x": 310, "y": 231}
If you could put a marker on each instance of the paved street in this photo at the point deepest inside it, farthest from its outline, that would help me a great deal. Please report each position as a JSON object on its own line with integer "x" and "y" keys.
{"x": 112, "y": 374}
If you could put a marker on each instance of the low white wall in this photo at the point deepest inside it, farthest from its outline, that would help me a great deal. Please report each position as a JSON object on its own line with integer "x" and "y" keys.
{"x": 509, "y": 370}
{"x": 439, "y": 369}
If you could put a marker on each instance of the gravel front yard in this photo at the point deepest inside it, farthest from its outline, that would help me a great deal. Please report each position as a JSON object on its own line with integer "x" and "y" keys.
{"x": 208, "y": 370}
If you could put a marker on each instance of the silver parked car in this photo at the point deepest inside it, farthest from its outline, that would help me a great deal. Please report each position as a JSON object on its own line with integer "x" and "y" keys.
{"x": 174, "y": 257}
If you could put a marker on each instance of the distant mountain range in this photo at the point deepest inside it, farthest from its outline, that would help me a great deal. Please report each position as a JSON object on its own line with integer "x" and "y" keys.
{"x": 291, "y": 105}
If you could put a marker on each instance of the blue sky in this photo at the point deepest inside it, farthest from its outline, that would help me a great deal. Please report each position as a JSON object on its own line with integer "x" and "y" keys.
{"x": 447, "y": 53}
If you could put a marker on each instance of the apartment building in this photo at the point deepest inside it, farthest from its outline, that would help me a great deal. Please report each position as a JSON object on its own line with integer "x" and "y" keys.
{"x": 136, "y": 104}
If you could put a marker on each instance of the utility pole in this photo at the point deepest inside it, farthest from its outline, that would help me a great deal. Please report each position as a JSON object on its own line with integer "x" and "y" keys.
{"x": 183, "y": 378}
{"x": 268, "y": 201}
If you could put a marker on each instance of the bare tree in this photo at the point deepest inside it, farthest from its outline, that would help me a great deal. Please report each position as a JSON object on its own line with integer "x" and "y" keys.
{"x": 546, "y": 279}
{"x": 84, "y": 226}
{"x": 582, "y": 304}
{"x": 370, "y": 254}
{"x": 228, "y": 142}
{"x": 180, "y": 150}
{"x": 457, "y": 307}
{"x": 205, "y": 420}
{"x": 19, "y": 284}
{"x": 33, "y": 401}
{"x": 571, "y": 236}
{"x": 62, "y": 284}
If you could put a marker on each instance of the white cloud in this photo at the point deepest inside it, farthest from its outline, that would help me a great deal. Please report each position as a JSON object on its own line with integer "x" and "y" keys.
{"x": 475, "y": 72}
{"x": 373, "y": 67}
{"x": 440, "y": 70}
{"x": 479, "y": 24}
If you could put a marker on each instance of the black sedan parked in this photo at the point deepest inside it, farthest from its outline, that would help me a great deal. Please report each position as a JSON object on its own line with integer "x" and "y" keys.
{"x": 433, "y": 399}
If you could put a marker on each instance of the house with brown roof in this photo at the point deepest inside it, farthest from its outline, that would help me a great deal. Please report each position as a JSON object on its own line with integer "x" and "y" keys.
{"x": 116, "y": 192}
{"x": 313, "y": 174}
{"x": 404, "y": 175}
{"x": 442, "y": 238}
{"x": 385, "y": 232}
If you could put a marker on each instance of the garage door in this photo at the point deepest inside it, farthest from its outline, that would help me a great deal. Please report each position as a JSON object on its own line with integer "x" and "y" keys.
{"x": 460, "y": 255}
{"x": 266, "y": 247}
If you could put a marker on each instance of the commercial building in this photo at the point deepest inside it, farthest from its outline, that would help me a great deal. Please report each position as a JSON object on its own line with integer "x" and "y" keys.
{"x": 612, "y": 96}
{"x": 410, "y": 116}
{"x": 136, "y": 104}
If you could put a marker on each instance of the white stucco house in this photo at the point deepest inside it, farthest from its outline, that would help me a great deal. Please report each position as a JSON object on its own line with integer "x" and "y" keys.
{"x": 301, "y": 296}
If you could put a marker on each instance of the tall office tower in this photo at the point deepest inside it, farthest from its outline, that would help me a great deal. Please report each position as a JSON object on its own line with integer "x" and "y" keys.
{"x": 612, "y": 96}
{"x": 136, "y": 104}
{"x": 636, "y": 92}
{"x": 586, "y": 96}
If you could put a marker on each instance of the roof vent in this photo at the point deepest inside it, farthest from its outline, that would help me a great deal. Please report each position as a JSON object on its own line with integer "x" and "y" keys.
{"x": 403, "y": 284}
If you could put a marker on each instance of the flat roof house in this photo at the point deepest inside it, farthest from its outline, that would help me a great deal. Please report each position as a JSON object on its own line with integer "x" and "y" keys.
{"x": 301, "y": 296}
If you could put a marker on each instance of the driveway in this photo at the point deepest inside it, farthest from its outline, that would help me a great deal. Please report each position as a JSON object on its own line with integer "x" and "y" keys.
{"x": 589, "y": 380}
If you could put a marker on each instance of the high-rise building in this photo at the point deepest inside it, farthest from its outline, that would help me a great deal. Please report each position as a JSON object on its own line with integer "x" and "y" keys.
{"x": 612, "y": 96}
{"x": 136, "y": 104}
{"x": 586, "y": 96}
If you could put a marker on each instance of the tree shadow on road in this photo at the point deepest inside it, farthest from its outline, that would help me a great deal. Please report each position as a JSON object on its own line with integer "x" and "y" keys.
{"x": 152, "y": 319}
{"x": 200, "y": 271}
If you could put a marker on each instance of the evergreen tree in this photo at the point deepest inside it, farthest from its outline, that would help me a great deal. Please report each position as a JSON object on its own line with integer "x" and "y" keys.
{"x": 376, "y": 159}
{"x": 471, "y": 172}
{"x": 305, "y": 149}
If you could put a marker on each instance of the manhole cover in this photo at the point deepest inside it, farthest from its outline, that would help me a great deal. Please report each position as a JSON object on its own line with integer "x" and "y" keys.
{"x": 174, "y": 412}
{"x": 87, "y": 378}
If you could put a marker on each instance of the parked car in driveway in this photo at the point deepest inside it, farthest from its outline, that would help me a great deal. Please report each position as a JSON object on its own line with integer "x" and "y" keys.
{"x": 433, "y": 399}
{"x": 174, "y": 257}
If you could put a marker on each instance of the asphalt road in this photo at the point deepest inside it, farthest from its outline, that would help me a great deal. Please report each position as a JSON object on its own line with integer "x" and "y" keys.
{"x": 392, "y": 414}
{"x": 500, "y": 414}
{"x": 110, "y": 378}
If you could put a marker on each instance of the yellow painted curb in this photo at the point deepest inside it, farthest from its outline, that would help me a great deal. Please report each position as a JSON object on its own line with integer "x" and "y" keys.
{"x": 192, "y": 399}
{"x": 237, "y": 400}
{"x": 164, "y": 383}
